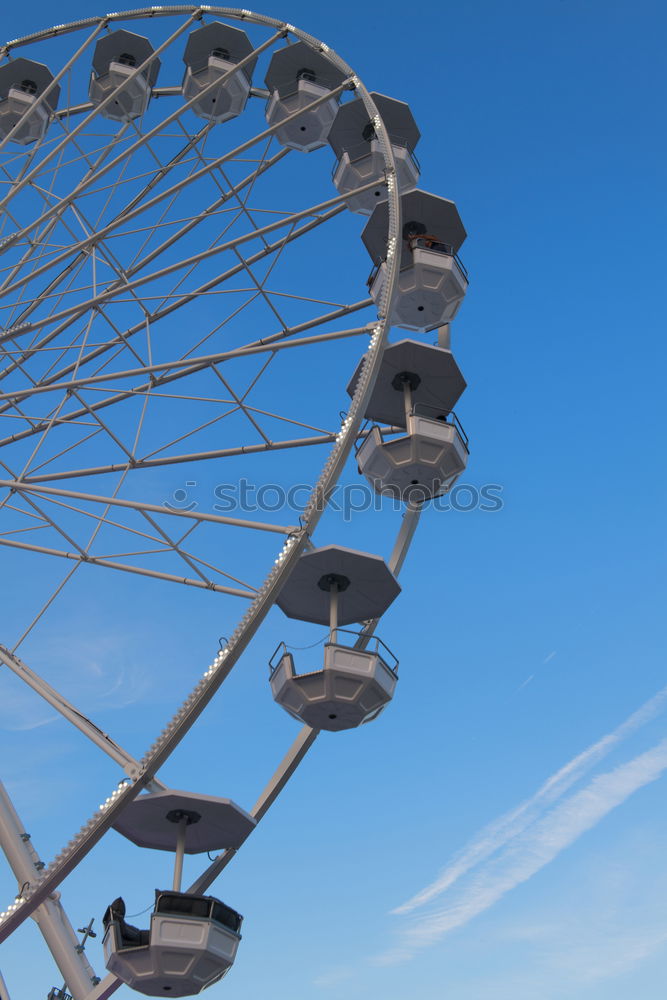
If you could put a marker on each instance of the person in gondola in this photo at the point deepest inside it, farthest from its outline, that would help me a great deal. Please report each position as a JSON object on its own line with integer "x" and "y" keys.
{"x": 426, "y": 241}
{"x": 131, "y": 937}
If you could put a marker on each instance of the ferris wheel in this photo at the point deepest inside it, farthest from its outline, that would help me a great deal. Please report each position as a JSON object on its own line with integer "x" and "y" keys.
{"x": 176, "y": 187}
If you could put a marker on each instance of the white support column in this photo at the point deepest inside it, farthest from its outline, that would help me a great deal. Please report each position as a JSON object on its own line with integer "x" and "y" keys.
{"x": 4, "y": 992}
{"x": 50, "y": 917}
{"x": 180, "y": 852}
{"x": 407, "y": 399}
{"x": 333, "y": 612}
{"x": 404, "y": 538}
{"x": 445, "y": 337}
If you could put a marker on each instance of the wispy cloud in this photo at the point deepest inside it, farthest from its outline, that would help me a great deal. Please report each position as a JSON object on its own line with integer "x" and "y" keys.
{"x": 20, "y": 709}
{"x": 513, "y": 823}
{"x": 531, "y": 677}
{"x": 97, "y": 675}
{"x": 334, "y": 976}
{"x": 520, "y": 843}
{"x": 530, "y": 851}
{"x": 599, "y": 950}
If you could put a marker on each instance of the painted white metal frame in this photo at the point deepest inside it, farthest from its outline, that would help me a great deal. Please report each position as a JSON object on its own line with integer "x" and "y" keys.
{"x": 36, "y": 897}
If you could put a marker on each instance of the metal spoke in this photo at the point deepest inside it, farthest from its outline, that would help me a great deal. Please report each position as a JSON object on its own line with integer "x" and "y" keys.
{"x": 200, "y": 516}
{"x": 110, "y": 243}
{"x": 201, "y": 456}
{"x": 208, "y": 168}
{"x": 328, "y": 208}
{"x": 270, "y": 343}
{"x": 195, "y": 364}
{"x": 154, "y": 574}
{"x": 91, "y": 178}
{"x": 175, "y": 237}
{"x": 51, "y": 224}
{"x": 72, "y": 714}
{"x": 96, "y": 111}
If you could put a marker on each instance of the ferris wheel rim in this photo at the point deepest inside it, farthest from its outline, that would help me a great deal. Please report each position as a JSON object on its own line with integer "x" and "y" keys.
{"x": 180, "y": 724}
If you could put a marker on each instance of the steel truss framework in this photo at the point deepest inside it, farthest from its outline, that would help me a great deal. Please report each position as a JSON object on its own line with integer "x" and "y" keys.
{"x": 134, "y": 258}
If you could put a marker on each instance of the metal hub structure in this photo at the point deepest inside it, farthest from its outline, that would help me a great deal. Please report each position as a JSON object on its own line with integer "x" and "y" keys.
{"x": 158, "y": 301}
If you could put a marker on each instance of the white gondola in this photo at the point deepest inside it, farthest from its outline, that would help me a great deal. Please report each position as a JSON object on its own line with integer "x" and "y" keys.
{"x": 192, "y": 939}
{"x": 432, "y": 280}
{"x": 430, "y": 290}
{"x": 297, "y": 76}
{"x": 211, "y": 75}
{"x": 352, "y": 686}
{"x": 24, "y": 114}
{"x": 416, "y": 389}
{"x": 359, "y": 156}
{"x": 117, "y": 58}
{"x": 419, "y": 465}
{"x": 191, "y": 944}
{"x": 357, "y": 678}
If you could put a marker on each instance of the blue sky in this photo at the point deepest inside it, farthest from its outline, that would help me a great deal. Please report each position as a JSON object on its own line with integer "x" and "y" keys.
{"x": 526, "y": 636}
